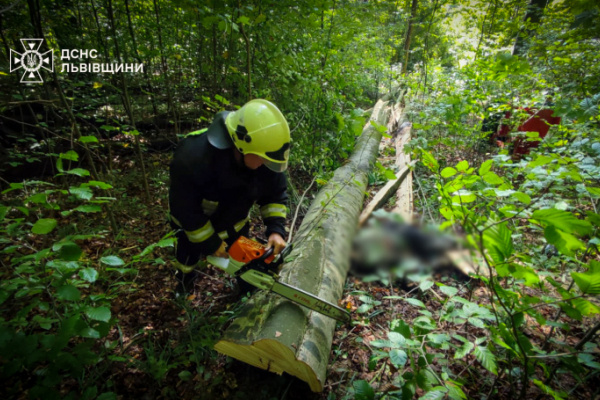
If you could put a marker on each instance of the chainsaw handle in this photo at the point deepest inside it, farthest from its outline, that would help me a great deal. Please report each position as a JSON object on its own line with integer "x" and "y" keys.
{"x": 281, "y": 256}
{"x": 286, "y": 251}
{"x": 266, "y": 254}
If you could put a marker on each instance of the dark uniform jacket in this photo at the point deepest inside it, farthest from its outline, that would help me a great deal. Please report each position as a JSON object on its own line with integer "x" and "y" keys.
{"x": 211, "y": 194}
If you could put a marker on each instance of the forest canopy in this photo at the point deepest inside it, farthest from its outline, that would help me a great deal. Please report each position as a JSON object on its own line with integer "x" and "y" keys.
{"x": 501, "y": 100}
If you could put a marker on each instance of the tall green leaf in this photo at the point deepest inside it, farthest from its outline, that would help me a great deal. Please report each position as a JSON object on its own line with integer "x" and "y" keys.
{"x": 448, "y": 172}
{"x": 44, "y": 226}
{"x": 486, "y": 358}
{"x": 464, "y": 350}
{"x": 398, "y": 357}
{"x": 363, "y": 391}
{"x": 498, "y": 242}
{"x": 82, "y": 193}
{"x": 89, "y": 274}
{"x": 70, "y": 251}
{"x": 436, "y": 393}
{"x": 68, "y": 292}
{"x": 588, "y": 282}
{"x": 485, "y": 167}
{"x": 88, "y": 208}
{"x": 113, "y": 261}
{"x": 78, "y": 172}
{"x": 429, "y": 161}
{"x": 98, "y": 313}
{"x": 565, "y": 242}
{"x": 562, "y": 220}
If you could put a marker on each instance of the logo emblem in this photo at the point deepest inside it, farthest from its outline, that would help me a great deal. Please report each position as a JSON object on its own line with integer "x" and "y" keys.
{"x": 31, "y": 61}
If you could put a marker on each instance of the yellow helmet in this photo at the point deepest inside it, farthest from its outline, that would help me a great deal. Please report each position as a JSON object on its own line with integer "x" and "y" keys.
{"x": 260, "y": 128}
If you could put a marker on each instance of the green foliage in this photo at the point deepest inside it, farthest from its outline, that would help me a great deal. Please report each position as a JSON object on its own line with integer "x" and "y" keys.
{"x": 113, "y": 261}
{"x": 363, "y": 391}
{"x": 322, "y": 63}
{"x": 588, "y": 282}
{"x": 513, "y": 208}
{"x": 57, "y": 324}
{"x": 44, "y": 226}
{"x": 55, "y": 302}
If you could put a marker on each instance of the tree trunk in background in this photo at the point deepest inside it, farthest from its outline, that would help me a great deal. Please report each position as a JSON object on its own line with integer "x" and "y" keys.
{"x": 482, "y": 30}
{"x": 230, "y": 54}
{"x": 36, "y": 22}
{"x": 413, "y": 13}
{"x": 137, "y": 56}
{"x": 535, "y": 10}
{"x": 28, "y": 105}
{"x": 165, "y": 71}
{"x": 275, "y": 334}
{"x": 426, "y": 52}
{"x": 127, "y": 103}
{"x": 248, "y": 58}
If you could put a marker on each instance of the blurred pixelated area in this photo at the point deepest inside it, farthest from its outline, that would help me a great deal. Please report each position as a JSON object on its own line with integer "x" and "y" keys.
{"x": 388, "y": 245}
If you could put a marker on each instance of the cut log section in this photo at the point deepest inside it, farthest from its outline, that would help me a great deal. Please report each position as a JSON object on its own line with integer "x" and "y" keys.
{"x": 277, "y": 335}
{"x": 404, "y": 196}
{"x": 468, "y": 262}
{"x": 396, "y": 113}
{"x": 389, "y": 189}
{"x": 384, "y": 194}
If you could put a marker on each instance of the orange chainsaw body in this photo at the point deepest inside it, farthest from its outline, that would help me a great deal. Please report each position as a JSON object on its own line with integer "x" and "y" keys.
{"x": 245, "y": 250}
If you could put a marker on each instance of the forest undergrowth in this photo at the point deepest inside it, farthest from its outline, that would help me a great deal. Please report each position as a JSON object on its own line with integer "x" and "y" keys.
{"x": 87, "y": 309}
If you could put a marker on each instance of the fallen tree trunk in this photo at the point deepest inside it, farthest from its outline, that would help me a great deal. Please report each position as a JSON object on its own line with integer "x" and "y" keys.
{"x": 384, "y": 194}
{"x": 404, "y": 196}
{"x": 280, "y": 336}
{"x": 469, "y": 262}
{"x": 396, "y": 112}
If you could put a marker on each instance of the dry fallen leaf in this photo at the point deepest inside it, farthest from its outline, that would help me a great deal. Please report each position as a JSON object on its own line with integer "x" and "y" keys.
{"x": 191, "y": 297}
{"x": 277, "y": 333}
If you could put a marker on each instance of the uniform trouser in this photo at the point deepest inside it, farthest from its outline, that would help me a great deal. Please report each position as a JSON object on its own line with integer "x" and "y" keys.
{"x": 187, "y": 254}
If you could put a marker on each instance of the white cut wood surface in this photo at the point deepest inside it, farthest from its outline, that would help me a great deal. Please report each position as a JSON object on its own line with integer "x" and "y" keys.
{"x": 382, "y": 196}
{"x": 404, "y": 195}
{"x": 468, "y": 263}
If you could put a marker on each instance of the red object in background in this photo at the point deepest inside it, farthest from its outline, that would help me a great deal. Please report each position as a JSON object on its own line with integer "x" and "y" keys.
{"x": 538, "y": 121}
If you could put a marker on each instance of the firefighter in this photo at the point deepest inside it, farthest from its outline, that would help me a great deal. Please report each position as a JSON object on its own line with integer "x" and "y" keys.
{"x": 218, "y": 174}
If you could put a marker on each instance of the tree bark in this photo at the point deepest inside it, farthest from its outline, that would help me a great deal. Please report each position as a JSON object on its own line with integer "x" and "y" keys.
{"x": 482, "y": 31}
{"x": 165, "y": 71}
{"x": 36, "y": 22}
{"x": 534, "y": 15}
{"x": 137, "y": 56}
{"x": 400, "y": 136}
{"x": 248, "y": 61}
{"x": 404, "y": 194}
{"x": 384, "y": 194}
{"x": 127, "y": 103}
{"x": 280, "y": 336}
{"x": 413, "y": 13}
{"x": 426, "y": 50}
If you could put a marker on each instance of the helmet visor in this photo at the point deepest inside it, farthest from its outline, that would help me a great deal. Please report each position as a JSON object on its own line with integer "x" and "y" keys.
{"x": 276, "y": 167}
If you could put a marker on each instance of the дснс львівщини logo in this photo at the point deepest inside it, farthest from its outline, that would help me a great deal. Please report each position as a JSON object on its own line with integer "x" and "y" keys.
{"x": 31, "y": 61}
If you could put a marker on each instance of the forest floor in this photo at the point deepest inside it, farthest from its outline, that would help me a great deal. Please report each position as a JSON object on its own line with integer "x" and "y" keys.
{"x": 165, "y": 345}
{"x": 164, "y": 340}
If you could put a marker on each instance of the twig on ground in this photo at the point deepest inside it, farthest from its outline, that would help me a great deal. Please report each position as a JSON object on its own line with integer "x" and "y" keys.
{"x": 298, "y": 208}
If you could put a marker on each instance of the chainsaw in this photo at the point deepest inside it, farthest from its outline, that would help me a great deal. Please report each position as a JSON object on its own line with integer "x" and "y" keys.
{"x": 252, "y": 262}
